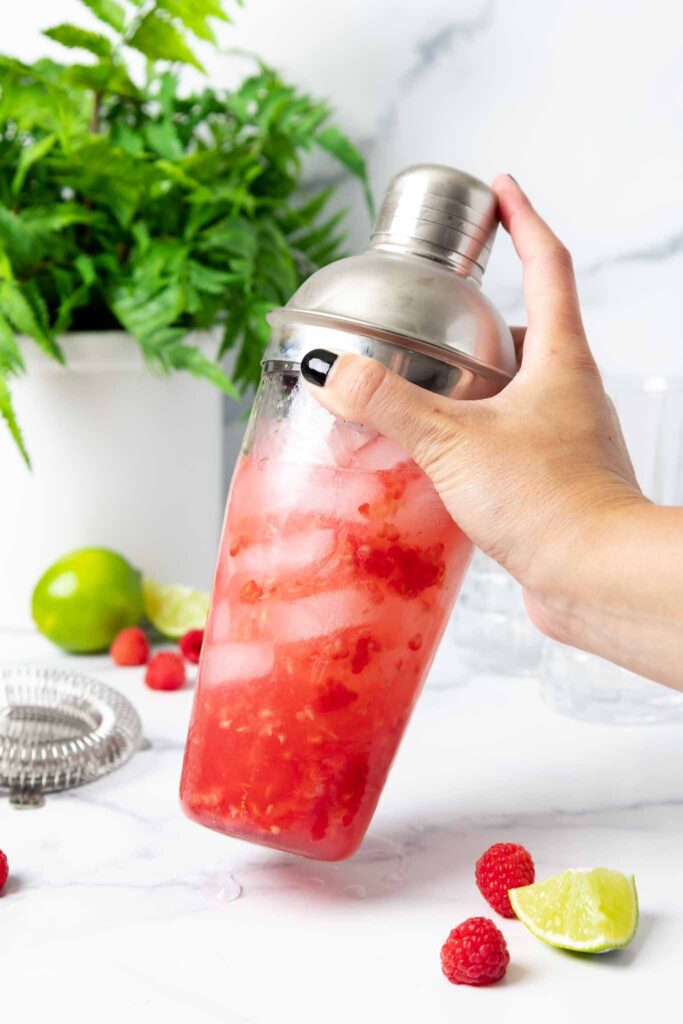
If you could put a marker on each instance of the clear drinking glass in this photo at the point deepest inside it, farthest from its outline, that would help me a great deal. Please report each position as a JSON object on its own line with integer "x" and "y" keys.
{"x": 491, "y": 629}
{"x": 650, "y": 410}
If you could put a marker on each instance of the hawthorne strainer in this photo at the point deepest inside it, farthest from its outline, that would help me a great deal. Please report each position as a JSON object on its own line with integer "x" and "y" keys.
{"x": 59, "y": 729}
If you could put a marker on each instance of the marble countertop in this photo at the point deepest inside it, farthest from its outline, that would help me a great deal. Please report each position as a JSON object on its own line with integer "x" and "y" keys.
{"x": 120, "y": 908}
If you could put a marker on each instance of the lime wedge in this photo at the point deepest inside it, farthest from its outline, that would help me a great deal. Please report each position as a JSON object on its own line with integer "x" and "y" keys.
{"x": 588, "y": 911}
{"x": 174, "y": 609}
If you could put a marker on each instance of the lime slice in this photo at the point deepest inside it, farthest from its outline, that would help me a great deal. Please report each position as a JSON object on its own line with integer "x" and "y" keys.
{"x": 174, "y": 609}
{"x": 588, "y": 911}
{"x": 85, "y": 598}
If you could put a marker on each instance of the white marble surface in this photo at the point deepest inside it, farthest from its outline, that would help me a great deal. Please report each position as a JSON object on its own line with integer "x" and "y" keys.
{"x": 119, "y": 908}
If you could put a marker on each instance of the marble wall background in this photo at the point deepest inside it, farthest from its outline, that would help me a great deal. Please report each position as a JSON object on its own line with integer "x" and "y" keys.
{"x": 581, "y": 101}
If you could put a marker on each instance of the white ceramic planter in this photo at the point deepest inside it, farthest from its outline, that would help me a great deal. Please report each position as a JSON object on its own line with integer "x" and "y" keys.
{"x": 122, "y": 458}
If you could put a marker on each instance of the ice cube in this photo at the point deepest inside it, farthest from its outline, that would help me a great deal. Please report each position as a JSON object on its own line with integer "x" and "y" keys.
{"x": 286, "y": 554}
{"x": 346, "y": 439}
{"x": 317, "y": 615}
{"x": 380, "y": 453}
{"x": 236, "y": 662}
{"x": 421, "y": 517}
{"x": 219, "y": 630}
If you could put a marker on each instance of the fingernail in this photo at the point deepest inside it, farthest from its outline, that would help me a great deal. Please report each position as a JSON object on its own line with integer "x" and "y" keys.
{"x": 316, "y": 365}
{"x": 513, "y": 178}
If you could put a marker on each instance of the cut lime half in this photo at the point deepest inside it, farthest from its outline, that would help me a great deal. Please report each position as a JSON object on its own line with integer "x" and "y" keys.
{"x": 173, "y": 609}
{"x": 587, "y": 911}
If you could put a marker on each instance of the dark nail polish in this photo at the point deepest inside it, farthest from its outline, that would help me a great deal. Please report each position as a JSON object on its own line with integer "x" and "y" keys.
{"x": 316, "y": 365}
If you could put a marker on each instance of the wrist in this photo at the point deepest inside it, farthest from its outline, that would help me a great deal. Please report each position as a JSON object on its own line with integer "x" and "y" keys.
{"x": 579, "y": 569}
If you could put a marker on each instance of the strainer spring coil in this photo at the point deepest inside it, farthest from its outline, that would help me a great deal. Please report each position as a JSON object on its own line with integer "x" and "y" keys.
{"x": 60, "y": 729}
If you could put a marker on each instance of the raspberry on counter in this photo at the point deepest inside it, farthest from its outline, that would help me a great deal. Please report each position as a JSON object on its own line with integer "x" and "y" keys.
{"x": 475, "y": 953}
{"x": 166, "y": 671}
{"x": 191, "y": 645}
{"x": 504, "y": 866}
{"x": 4, "y": 870}
{"x": 130, "y": 647}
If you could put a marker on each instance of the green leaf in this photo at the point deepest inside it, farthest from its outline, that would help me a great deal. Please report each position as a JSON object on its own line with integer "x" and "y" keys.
{"x": 86, "y": 268}
{"x": 11, "y": 359}
{"x": 208, "y": 279}
{"x": 167, "y": 94}
{"x": 302, "y": 216}
{"x": 337, "y": 144}
{"x": 18, "y": 310}
{"x": 38, "y": 305}
{"x": 187, "y": 357}
{"x": 128, "y": 139}
{"x": 144, "y": 314}
{"x": 194, "y": 15}
{"x": 75, "y": 299}
{"x": 106, "y": 76}
{"x": 80, "y": 39}
{"x": 6, "y": 272}
{"x": 30, "y": 155}
{"x": 20, "y": 246}
{"x": 162, "y": 137}
{"x": 108, "y": 11}
{"x": 158, "y": 39}
{"x": 232, "y": 235}
{"x": 58, "y": 216}
{"x": 9, "y": 416}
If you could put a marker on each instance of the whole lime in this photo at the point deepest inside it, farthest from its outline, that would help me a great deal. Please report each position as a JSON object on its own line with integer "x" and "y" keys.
{"x": 86, "y": 598}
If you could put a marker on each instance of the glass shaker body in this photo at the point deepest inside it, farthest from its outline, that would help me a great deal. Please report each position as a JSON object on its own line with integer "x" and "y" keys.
{"x": 337, "y": 572}
{"x": 339, "y": 563}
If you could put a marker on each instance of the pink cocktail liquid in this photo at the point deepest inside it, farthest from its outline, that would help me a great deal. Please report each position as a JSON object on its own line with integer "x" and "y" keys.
{"x": 333, "y": 587}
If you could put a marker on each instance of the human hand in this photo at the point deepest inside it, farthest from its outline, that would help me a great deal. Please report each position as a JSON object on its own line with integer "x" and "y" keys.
{"x": 535, "y": 473}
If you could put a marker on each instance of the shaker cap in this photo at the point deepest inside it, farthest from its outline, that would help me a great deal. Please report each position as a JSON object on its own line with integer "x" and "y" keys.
{"x": 439, "y": 212}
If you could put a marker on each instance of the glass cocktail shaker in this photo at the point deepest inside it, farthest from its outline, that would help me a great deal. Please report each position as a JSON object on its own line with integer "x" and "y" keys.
{"x": 339, "y": 564}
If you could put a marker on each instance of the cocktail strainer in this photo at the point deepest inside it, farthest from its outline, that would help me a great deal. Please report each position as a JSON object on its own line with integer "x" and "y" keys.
{"x": 59, "y": 729}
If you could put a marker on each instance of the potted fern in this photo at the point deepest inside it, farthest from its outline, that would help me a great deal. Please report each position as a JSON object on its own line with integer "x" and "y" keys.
{"x": 145, "y": 232}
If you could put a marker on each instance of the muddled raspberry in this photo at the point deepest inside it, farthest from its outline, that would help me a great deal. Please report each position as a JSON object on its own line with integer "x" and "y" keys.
{"x": 251, "y": 591}
{"x": 389, "y": 532}
{"x": 407, "y": 570}
{"x": 334, "y": 696}
{"x": 365, "y": 648}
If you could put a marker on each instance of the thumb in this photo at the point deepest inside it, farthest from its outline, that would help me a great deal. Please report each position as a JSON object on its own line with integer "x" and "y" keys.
{"x": 364, "y": 391}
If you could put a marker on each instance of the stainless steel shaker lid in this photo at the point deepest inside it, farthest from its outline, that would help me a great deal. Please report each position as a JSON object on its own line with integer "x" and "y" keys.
{"x": 439, "y": 212}
{"x": 415, "y": 287}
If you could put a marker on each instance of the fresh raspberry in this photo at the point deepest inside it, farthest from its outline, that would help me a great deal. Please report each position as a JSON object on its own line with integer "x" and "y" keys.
{"x": 191, "y": 645}
{"x": 475, "y": 953}
{"x": 504, "y": 866}
{"x": 4, "y": 870}
{"x": 130, "y": 647}
{"x": 166, "y": 671}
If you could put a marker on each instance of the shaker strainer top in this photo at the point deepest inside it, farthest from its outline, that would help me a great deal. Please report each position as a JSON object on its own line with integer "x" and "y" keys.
{"x": 59, "y": 729}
